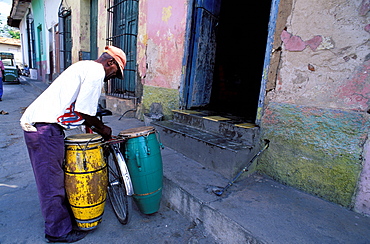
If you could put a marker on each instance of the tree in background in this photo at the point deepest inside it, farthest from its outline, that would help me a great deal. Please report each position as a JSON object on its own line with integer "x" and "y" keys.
{"x": 10, "y": 32}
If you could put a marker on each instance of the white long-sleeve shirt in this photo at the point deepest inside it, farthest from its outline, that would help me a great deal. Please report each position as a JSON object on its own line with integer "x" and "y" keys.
{"x": 77, "y": 89}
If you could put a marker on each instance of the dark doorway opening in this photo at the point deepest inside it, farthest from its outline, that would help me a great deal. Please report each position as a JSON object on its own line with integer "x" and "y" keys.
{"x": 241, "y": 37}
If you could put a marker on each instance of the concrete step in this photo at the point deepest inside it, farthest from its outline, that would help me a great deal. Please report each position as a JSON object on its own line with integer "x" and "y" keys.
{"x": 256, "y": 209}
{"x": 227, "y": 126}
{"x": 221, "y": 154}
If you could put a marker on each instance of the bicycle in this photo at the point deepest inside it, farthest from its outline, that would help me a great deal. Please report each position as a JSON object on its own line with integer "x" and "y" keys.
{"x": 88, "y": 154}
{"x": 120, "y": 189}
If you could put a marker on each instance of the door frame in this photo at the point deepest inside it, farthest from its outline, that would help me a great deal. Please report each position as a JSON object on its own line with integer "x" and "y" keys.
{"x": 274, "y": 10}
{"x": 184, "y": 87}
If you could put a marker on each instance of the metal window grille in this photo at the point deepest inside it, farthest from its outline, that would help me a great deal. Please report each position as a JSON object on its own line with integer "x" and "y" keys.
{"x": 122, "y": 33}
{"x": 67, "y": 41}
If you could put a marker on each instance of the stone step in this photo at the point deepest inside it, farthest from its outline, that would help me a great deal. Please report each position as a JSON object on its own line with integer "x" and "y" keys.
{"x": 223, "y": 155}
{"x": 227, "y": 126}
{"x": 256, "y": 209}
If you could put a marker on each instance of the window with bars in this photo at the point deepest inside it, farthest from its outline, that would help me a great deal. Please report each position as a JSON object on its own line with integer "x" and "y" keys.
{"x": 65, "y": 51}
{"x": 122, "y": 33}
{"x": 67, "y": 41}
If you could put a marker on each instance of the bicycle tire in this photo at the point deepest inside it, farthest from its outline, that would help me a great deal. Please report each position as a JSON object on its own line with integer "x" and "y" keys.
{"x": 117, "y": 192}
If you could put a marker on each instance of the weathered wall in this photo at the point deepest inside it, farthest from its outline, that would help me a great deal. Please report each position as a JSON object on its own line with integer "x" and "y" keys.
{"x": 80, "y": 27}
{"x": 102, "y": 26}
{"x": 51, "y": 8}
{"x": 40, "y": 32}
{"x": 161, "y": 37}
{"x": 316, "y": 117}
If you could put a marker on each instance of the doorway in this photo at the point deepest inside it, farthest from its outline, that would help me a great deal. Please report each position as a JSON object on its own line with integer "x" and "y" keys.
{"x": 238, "y": 34}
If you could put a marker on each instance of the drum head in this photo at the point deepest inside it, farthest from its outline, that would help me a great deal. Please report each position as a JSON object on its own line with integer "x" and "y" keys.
{"x": 80, "y": 138}
{"x": 136, "y": 132}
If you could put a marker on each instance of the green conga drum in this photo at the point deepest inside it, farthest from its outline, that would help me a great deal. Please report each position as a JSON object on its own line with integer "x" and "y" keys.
{"x": 144, "y": 161}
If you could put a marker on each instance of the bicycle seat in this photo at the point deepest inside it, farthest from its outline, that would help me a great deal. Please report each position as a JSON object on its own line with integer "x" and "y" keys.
{"x": 102, "y": 112}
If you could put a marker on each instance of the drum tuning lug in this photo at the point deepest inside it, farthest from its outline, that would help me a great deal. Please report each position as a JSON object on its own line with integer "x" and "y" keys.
{"x": 85, "y": 164}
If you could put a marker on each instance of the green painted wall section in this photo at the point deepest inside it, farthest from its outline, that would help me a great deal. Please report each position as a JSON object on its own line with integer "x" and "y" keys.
{"x": 39, "y": 24}
{"x": 313, "y": 149}
{"x": 169, "y": 98}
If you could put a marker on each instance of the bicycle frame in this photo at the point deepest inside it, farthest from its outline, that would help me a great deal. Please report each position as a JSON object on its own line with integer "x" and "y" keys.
{"x": 121, "y": 162}
{"x": 124, "y": 170}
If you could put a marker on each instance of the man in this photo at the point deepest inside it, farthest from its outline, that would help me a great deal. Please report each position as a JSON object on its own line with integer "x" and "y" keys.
{"x": 72, "y": 99}
{"x": 2, "y": 76}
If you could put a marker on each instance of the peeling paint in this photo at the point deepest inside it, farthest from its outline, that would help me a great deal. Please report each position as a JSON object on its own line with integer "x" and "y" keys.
{"x": 314, "y": 149}
{"x": 168, "y": 98}
{"x": 166, "y": 13}
{"x": 295, "y": 43}
{"x": 292, "y": 43}
{"x": 161, "y": 42}
{"x": 367, "y": 28}
{"x": 327, "y": 43}
{"x": 365, "y": 7}
{"x": 314, "y": 42}
{"x": 356, "y": 91}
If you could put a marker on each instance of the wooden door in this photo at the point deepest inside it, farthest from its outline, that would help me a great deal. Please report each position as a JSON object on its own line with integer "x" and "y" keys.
{"x": 202, "y": 53}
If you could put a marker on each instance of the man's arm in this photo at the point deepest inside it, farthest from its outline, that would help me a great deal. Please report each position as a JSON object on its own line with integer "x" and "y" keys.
{"x": 96, "y": 125}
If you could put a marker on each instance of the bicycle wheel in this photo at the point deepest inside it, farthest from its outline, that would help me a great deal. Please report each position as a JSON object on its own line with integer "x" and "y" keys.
{"x": 117, "y": 192}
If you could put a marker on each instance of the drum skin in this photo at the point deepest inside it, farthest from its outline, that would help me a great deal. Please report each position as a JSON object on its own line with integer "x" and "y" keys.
{"x": 86, "y": 179}
{"x": 144, "y": 162}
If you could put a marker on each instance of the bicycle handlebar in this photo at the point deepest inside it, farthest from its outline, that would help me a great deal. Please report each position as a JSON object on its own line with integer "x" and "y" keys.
{"x": 115, "y": 139}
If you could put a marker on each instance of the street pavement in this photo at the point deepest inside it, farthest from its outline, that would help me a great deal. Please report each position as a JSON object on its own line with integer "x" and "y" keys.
{"x": 256, "y": 209}
{"x": 20, "y": 215}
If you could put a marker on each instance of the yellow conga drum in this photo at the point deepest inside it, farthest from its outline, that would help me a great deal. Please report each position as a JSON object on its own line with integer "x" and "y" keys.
{"x": 86, "y": 179}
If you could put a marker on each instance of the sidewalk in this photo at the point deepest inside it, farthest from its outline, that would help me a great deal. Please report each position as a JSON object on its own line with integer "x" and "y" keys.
{"x": 21, "y": 220}
{"x": 37, "y": 84}
{"x": 254, "y": 210}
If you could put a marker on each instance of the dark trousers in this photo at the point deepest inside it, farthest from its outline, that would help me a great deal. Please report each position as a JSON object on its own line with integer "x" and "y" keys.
{"x": 46, "y": 151}
{"x": 1, "y": 86}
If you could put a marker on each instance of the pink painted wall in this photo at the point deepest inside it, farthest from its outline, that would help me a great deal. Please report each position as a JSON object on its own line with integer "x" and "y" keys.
{"x": 161, "y": 40}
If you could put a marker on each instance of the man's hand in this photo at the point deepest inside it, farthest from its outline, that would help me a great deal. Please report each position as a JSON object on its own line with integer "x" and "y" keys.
{"x": 104, "y": 131}
{"x": 97, "y": 126}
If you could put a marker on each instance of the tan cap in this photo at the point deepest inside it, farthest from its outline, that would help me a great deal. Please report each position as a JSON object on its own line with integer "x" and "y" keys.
{"x": 118, "y": 55}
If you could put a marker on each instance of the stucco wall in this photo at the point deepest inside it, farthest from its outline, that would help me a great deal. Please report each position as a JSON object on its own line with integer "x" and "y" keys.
{"x": 16, "y": 50}
{"x": 161, "y": 37}
{"x": 51, "y": 20}
{"x": 102, "y": 26}
{"x": 80, "y": 27}
{"x": 40, "y": 39}
{"x": 316, "y": 117}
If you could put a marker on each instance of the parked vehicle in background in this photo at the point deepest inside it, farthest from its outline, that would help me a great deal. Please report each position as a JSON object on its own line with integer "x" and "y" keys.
{"x": 11, "y": 70}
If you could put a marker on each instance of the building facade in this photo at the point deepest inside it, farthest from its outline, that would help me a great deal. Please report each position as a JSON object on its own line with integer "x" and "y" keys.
{"x": 298, "y": 70}
{"x": 12, "y": 46}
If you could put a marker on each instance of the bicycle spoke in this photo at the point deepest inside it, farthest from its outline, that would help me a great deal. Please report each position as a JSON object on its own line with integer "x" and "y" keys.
{"x": 121, "y": 202}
